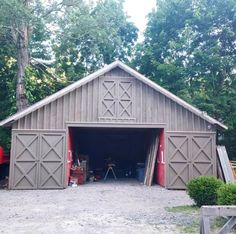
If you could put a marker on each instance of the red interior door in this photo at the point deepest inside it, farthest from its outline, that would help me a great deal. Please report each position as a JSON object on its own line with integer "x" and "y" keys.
{"x": 69, "y": 155}
{"x": 160, "y": 166}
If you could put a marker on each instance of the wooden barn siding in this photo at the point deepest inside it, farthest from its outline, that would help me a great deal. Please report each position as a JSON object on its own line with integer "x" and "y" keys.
{"x": 82, "y": 104}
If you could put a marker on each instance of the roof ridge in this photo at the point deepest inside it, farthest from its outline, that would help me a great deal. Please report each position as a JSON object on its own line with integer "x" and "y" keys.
{"x": 98, "y": 73}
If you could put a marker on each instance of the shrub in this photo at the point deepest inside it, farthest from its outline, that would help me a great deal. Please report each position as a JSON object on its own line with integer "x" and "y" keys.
{"x": 226, "y": 194}
{"x": 203, "y": 190}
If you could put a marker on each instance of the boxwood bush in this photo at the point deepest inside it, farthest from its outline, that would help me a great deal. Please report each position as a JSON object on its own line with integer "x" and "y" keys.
{"x": 226, "y": 194}
{"x": 203, "y": 190}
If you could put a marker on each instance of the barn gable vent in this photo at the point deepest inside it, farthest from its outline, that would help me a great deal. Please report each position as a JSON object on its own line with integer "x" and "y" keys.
{"x": 116, "y": 99}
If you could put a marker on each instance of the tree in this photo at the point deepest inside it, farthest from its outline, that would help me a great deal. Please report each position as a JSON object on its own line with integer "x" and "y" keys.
{"x": 7, "y": 90}
{"x": 18, "y": 29}
{"x": 190, "y": 48}
{"x": 46, "y": 44}
{"x": 90, "y": 36}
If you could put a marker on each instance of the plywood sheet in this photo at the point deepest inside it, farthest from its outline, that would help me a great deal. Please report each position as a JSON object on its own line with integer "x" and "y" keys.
{"x": 225, "y": 164}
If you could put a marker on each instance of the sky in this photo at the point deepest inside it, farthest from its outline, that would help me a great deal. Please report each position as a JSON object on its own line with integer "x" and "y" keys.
{"x": 138, "y": 10}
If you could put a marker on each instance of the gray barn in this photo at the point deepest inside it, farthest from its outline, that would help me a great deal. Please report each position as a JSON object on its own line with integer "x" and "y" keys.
{"x": 112, "y": 111}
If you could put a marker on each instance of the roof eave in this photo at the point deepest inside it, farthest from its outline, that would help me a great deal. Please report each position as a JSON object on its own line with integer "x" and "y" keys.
{"x": 10, "y": 120}
{"x": 221, "y": 126}
{"x": 172, "y": 96}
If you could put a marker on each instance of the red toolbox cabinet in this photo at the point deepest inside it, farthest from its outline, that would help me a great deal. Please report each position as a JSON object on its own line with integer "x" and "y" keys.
{"x": 77, "y": 174}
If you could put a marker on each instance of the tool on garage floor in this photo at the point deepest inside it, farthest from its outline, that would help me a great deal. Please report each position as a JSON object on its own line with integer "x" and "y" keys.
{"x": 110, "y": 168}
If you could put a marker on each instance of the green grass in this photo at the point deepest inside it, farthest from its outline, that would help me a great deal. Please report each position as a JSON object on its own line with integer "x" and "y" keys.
{"x": 187, "y": 210}
{"x": 216, "y": 223}
{"x": 184, "y": 209}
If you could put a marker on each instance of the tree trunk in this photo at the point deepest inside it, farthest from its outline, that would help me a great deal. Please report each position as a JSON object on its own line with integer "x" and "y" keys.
{"x": 22, "y": 63}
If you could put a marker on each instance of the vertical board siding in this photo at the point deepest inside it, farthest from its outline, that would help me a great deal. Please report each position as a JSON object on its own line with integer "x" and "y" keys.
{"x": 76, "y": 104}
{"x": 66, "y": 108}
{"x": 89, "y": 101}
{"x": 53, "y": 115}
{"x": 82, "y": 105}
{"x": 71, "y": 109}
{"x": 59, "y": 119}
{"x": 40, "y": 119}
{"x": 34, "y": 120}
{"x": 139, "y": 95}
{"x": 15, "y": 125}
{"x": 173, "y": 115}
{"x": 162, "y": 108}
{"x": 95, "y": 100}
{"x": 168, "y": 112}
{"x": 155, "y": 106}
{"x": 28, "y": 121}
{"x": 179, "y": 117}
{"x": 79, "y": 104}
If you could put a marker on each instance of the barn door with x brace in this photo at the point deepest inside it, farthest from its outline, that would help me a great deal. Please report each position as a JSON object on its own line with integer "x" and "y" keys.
{"x": 37, "y": 160}
{"x": 116, "y": 99}
{"x": 52, "y": 159}
{"x": 189, "y": 155}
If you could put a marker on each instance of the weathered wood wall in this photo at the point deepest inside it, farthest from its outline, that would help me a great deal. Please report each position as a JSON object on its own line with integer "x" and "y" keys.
{"x": 84, "y": 105}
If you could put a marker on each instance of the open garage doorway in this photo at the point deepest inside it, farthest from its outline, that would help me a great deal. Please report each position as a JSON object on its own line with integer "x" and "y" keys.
{"x": 114, "y": 153}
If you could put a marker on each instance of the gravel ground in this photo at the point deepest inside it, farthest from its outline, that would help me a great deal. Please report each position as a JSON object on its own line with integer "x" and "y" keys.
{"x": 110, "y": 207}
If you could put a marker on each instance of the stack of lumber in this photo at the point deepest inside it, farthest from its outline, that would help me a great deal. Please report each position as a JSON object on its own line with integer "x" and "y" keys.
{"x": 233, "y": 166}
{"x": 151, "y": 160}
{"x": 224, "y": 168}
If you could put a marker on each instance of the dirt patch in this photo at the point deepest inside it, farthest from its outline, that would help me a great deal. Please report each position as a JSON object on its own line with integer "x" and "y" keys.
{"x": 111, "y": 207}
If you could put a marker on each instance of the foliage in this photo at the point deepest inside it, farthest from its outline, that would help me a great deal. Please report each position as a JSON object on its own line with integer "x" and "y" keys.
{"x": 67, "y": 39}
{"x": 90, "y": 36}
{"x": 226, "y": 194}
{"x": 7, "y": 91}
{"x": 189, "y": 48}
{"x": 203, "y": 190}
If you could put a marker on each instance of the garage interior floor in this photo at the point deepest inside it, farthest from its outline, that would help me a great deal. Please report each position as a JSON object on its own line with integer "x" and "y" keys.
{"x": 126, "y": 149}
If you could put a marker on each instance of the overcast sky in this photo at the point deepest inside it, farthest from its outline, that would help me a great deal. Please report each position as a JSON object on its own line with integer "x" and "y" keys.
{"x": 138, "y": 10}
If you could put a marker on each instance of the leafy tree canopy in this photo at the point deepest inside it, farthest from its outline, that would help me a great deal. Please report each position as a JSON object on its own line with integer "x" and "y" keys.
{"x": 190, "y": 48}
{"x": 63, "y": 40}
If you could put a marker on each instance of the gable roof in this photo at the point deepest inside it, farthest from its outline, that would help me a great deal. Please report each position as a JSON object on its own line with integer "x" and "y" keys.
{"x": 8, "y": 121}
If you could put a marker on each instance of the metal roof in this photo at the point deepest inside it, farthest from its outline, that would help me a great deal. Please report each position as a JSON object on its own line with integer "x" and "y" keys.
{"x": 8, "y": 121}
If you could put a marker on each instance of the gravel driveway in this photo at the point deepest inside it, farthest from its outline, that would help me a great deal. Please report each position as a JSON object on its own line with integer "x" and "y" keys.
{"x": 111, "y": 207}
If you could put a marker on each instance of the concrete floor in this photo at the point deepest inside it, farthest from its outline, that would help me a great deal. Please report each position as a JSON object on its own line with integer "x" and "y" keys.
{"x": 110, "y": 207}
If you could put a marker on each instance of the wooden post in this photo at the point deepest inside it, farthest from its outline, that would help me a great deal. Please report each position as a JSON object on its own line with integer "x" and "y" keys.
{"x": 205, "y": 225}
{"x": 214, "y": 211}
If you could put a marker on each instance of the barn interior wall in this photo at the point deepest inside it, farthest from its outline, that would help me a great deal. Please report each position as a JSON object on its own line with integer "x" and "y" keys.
{"x": 126, "y": 148}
